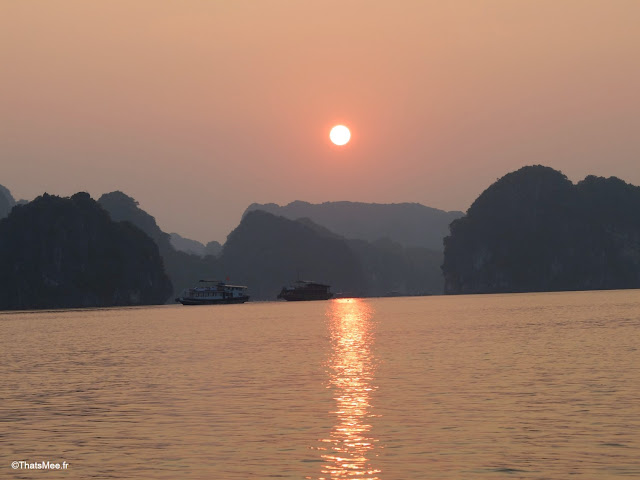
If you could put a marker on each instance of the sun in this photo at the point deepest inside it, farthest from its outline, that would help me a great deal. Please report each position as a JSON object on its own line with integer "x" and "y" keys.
{"x": 340, "y": 135}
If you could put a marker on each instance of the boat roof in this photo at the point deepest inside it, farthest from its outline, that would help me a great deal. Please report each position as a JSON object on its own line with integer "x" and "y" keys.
{"x": 218, "y": 282}
{"x": 311, "y": 282}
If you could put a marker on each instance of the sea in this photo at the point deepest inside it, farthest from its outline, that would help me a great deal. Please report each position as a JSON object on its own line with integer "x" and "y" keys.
{"x": 514, "y": 386}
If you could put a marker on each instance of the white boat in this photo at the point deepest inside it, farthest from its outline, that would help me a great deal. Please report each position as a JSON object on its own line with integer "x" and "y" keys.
{"x": 213, "y": 292}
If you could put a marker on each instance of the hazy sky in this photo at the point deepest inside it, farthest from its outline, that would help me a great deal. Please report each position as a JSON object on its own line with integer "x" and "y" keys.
{"x": 198, "y": 108}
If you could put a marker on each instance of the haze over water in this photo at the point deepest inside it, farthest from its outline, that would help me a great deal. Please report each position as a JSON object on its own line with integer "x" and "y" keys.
{"x": 532, "y": 386}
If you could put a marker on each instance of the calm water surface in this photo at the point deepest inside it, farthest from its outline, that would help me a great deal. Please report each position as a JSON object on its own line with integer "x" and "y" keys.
{"x": 534, "y": 386}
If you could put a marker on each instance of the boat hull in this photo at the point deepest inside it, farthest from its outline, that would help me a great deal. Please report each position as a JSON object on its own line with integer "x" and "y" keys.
{"x": 303, "y": 296}
{"x": 216, "y": 301}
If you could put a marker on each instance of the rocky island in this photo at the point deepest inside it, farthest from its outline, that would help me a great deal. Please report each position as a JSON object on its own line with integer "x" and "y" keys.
{"x": 67, "y": 252}
{"x": 534, "y": 230}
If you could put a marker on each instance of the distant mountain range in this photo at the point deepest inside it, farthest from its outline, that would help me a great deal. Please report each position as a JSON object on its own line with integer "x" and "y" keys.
{"x": 6, "y": 201}
{"x": 267, "y": 251}
{"x": 409, "y": 224}
{"x": 186, "y": 245}
{"x": 193, "y": 246}
{"x": 532, "y": 230}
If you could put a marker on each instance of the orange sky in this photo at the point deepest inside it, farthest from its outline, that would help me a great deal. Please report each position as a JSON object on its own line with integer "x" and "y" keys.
{"x": 199, "y": 108}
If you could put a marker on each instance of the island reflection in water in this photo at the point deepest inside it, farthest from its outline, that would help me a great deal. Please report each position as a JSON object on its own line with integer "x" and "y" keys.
{"x": 350, "y": 446}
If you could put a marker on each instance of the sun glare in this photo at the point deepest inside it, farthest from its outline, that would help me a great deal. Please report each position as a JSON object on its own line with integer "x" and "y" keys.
{"x": 340, "y": 135}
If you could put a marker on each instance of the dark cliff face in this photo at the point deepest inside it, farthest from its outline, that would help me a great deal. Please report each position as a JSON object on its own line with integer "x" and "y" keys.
{"x": 533, "y": 230}
{"x": 183, "y": 268}
{"x": 67, "y": 252}
{"x": 266, "y": 252}
{"x": 121, "y": 207}
{"x": 391, "y": 269}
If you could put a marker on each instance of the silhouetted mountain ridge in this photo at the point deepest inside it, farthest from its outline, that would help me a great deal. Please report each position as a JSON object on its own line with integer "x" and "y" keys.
{"x": 67, "y": 252}
{"x": 122, "y": 207}
{"x": 194, "y": 247}
{"x": 268, "y": 251}
{"x": 6, "y": 201}
{"x": 186, "y": 244}
{"x": 410, "y": 224}
{"x": 183, "y": 268}
{"x": 534, "y": 230}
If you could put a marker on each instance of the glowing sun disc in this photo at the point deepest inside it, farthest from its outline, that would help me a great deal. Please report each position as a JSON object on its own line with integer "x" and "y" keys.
{"x": 340, "y": 135}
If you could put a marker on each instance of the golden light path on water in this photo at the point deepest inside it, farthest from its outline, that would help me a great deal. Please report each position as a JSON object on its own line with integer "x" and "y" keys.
{"x": 349, "y": 450}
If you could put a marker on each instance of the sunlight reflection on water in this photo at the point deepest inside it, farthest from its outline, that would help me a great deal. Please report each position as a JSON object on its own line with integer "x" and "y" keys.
{"x": 350, "y": 446}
